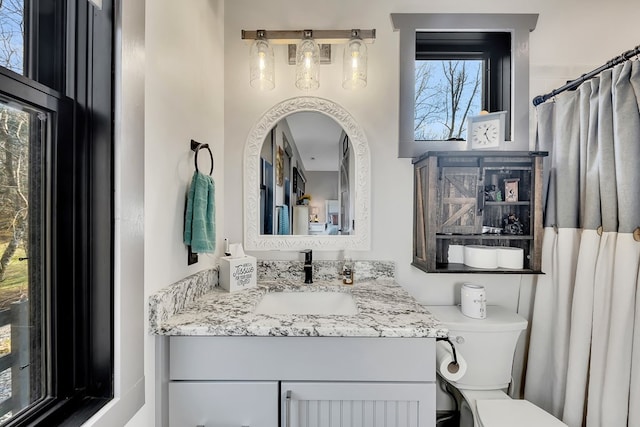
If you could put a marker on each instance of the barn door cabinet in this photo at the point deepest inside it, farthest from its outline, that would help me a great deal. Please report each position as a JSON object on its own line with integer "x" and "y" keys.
{"x": 489, "y": 198}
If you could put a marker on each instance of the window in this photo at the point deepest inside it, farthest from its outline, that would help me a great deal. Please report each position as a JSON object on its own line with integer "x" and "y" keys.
{"x": 458, "y": 74}
{"x": 56, "y": 266}
{"x": 491, "y": 52}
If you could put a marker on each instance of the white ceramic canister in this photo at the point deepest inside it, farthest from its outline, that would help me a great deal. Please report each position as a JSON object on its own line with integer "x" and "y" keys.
{"x": 473, "y": 301}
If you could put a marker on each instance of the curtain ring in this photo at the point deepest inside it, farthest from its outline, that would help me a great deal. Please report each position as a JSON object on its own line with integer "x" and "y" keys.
{"x": 636, "y": 234}
{"x": 599, "y": 230}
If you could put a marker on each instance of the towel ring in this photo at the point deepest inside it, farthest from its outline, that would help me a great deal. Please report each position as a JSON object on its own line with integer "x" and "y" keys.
{"x": 196, "y": 146}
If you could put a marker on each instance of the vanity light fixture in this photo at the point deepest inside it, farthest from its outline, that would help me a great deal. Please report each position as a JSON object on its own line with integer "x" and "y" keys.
{"x": 262, "y": 64}
{"x": 308, "y": 55}
{"x": 354, "y": 65}
{"x": 307, "y": 63}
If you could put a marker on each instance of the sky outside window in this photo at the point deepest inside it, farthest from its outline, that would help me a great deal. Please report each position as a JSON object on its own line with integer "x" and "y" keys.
{"x": 447, "y": 92}
{"x": 12, "y": 35}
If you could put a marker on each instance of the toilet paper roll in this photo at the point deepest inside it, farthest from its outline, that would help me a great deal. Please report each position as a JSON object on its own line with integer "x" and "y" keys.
{"x": 480, "y": 256}
{"x": 510, "y": 257}
{"x": 444, "y": 362}
{"x": 456, "y": 254}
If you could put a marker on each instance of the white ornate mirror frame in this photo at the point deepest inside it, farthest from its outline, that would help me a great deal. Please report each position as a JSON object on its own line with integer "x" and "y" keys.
{"x": 360, "y": 240}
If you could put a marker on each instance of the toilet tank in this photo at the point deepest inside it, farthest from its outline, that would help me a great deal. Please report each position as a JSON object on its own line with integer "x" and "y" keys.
{"x": 487, "y": 345}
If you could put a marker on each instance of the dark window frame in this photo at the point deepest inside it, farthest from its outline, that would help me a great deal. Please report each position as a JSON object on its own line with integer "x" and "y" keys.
{"x": 493, "y": 48}
{"x": 75, "y": 70}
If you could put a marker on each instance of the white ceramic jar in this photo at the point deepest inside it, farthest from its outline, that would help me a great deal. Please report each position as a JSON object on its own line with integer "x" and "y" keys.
{"x": 473, "y": 301}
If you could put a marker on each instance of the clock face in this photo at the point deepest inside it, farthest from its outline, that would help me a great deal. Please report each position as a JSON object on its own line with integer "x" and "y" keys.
{"x": 485, "y": 134}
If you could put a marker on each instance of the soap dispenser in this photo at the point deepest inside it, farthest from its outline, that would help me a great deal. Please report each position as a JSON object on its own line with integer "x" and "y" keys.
{"x": 347, "y": 272}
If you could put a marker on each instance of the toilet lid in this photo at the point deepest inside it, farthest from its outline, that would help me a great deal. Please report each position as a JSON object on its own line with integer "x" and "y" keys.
{"x": 509, "y": 413}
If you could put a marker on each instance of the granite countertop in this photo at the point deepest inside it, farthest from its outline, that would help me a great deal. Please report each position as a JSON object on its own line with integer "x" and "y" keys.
{"x": 385, "y": 309}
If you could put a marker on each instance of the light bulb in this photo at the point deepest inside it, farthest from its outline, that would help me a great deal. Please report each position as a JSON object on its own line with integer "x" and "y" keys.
{"x": 262, "y": 64}
{"x": 354, "y": 69}
{"x": 262, "y": 61}
{"x": 307, "y": 64}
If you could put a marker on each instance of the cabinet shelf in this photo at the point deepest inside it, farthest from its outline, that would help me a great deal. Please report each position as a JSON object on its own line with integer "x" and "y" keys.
{"x": 482, "y": 237}
{"x": 455, "y": 197}
{"x": 461, "y": 268}
{"x": 521, "y": 203}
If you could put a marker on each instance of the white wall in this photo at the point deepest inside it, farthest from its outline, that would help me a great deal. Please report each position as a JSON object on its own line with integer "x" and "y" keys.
{"x": 183, "y": 101}
{"x": 570, "y": 39}
{"x": 323, "y": 186}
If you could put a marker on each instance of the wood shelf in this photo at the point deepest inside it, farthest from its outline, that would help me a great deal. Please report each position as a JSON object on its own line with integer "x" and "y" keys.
{"x": 483, "y": 237}
{"x": 520, "y": 203}
{"x": 461, "y": 268}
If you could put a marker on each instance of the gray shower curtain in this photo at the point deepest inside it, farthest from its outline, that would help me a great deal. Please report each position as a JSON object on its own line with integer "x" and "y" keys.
{"x": 584, "y": 354}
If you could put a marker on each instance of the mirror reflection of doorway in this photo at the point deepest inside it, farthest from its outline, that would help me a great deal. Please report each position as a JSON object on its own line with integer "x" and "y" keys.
{"x": 345, "y": 217}
{"x": 266, "y": 197}
{"x": 332, "y": 212}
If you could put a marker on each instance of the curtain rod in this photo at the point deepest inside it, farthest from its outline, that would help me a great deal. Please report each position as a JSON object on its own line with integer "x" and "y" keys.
{"x": 577, "y": 82}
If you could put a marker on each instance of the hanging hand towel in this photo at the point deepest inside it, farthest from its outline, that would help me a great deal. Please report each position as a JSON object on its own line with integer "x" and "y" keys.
{"x": 283, "y": 227}
{"x": 200, "y": 215}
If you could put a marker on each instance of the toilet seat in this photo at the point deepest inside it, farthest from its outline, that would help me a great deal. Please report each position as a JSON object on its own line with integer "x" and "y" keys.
{"x": 517, "y": 412}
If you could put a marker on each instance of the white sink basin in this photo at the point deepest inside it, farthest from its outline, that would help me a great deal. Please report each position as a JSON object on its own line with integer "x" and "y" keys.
{"x": 337, "y": 303}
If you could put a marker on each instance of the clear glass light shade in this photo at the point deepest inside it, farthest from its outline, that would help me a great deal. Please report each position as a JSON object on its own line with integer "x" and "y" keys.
{"x": 262, "y": 65}
{"x": 354, "y": 64}
{"x": 307, "y": 65}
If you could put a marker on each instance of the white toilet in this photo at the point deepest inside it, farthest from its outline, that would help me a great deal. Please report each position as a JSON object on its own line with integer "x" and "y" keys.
{"x": 487, "y": 346}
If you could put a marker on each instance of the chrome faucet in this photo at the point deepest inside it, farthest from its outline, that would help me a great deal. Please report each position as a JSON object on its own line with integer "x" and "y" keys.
{"x": 308, "y": 266}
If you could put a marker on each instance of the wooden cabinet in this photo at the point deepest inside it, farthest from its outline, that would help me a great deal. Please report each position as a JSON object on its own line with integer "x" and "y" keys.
{"x": 477, "y": 198}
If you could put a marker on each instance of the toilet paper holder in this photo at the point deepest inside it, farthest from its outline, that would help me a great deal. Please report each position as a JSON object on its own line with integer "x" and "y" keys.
{"x": 453, "y": 352}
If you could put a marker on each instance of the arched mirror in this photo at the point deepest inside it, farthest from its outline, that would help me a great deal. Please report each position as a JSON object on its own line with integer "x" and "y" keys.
{"x": 306, "y": 179}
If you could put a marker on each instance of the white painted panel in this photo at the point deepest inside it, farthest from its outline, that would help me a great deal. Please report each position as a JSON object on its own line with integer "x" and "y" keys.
{"x": 335, "y": 413}
{"x": 360, "y": 404}
{"x": 223, "y": 404}
{"x": 309, "y": 359}
{"x": 369, "y": 412}
{"x": 390, "y": 413}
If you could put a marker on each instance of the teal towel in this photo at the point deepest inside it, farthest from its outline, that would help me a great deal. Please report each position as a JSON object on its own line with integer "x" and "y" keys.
{"x": 283, "y": 220}
{"x": 200, "y": 215}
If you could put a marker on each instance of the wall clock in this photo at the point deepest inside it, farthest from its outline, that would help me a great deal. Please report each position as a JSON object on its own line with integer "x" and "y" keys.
{"x": 486, "y": 131}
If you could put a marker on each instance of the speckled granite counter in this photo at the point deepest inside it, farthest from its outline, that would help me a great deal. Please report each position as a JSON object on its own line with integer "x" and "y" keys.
{"x": 385, "y": 309}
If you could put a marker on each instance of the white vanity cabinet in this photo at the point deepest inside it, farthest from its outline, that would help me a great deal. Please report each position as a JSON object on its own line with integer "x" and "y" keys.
{"x": 223, "y": 404}
{"x": 320, "y": 404}
{"x": 309, "y": 381}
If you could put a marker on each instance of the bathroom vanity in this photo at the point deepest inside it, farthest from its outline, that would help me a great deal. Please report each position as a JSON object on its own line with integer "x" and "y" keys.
{"x": 230, "y": 365}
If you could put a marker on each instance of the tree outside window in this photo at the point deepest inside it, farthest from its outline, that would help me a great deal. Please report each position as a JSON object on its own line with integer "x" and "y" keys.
{"x": 447, "y": 92}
